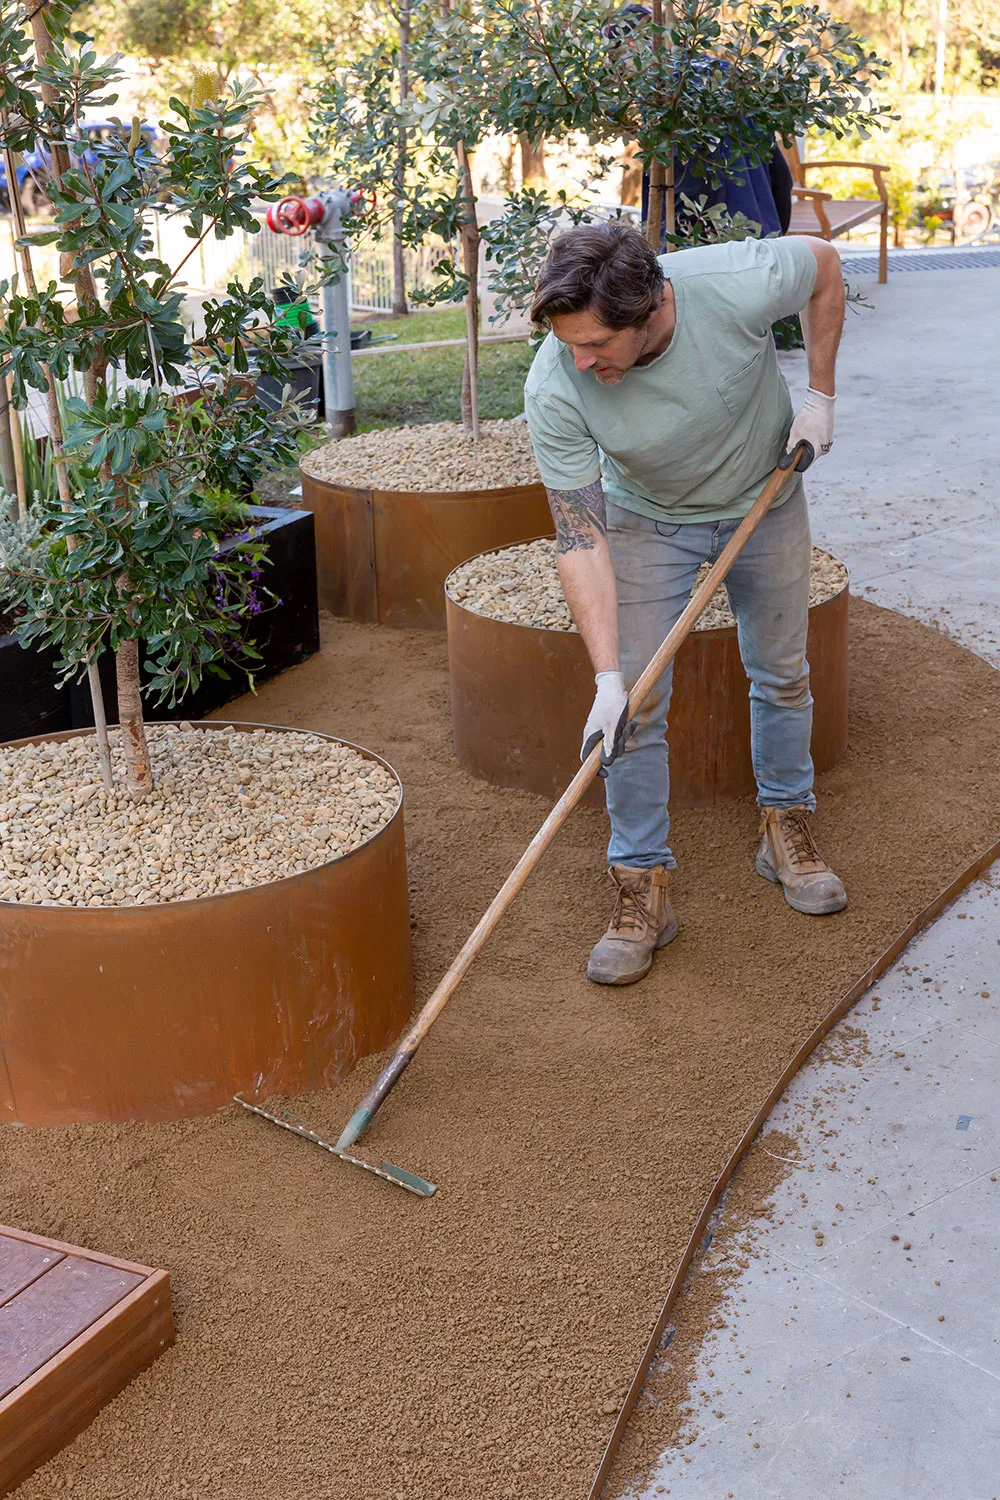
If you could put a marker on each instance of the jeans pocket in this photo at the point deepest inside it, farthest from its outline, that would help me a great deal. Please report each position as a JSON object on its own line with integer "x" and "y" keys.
{"x": 624, "y": 522}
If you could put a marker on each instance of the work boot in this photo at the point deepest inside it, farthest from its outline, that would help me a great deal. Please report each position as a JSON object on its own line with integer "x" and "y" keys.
{"x": 788, "y": 855}
{"x": 643, "y": 921}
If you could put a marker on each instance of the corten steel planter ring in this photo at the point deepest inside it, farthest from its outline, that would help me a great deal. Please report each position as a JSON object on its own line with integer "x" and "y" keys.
{"x": 165, "y": 1011}
{"x": 520, "y": 696}
{"x": 382, "y": 556}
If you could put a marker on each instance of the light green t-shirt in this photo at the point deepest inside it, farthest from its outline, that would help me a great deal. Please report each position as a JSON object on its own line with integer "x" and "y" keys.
{"x": 693, "y": 435}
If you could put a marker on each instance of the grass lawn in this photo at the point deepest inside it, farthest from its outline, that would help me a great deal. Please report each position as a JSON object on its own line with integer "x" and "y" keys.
{"x": 425, "y": 385}
{"x": 417, "y": 327}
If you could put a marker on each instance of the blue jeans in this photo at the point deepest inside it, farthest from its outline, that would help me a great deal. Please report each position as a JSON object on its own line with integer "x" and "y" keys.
{"x": 655, "y": 564}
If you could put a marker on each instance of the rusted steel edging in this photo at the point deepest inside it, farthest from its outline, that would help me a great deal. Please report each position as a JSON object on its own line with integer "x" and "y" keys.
{"x": 870, "y": 977}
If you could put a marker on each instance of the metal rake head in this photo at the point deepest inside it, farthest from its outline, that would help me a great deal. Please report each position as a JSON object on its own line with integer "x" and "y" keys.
{"x": 396, "y": 1175}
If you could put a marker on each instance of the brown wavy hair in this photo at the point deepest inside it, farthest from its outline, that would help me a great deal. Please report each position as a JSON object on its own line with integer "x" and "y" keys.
{"x": 607, "y": 269}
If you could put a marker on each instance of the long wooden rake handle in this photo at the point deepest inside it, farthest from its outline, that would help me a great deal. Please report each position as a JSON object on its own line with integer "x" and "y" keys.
{"x": 397, "y": 1064}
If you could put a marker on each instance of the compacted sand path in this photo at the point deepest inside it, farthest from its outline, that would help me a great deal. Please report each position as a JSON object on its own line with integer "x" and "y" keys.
{"x": 342, "y": 1341}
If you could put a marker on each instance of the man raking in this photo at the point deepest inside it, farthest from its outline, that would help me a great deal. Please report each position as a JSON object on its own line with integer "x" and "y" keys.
{"x": 657, "y": 410}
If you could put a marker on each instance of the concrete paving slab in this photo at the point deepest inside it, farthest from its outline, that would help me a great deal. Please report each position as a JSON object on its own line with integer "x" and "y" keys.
{"x": 903, "y": 1416}
{"x": 791, "y": 1322}
{"x": 941, "y": 1277}
{"x": 924, "y": 1123}
{"x": 792, "y": 1327}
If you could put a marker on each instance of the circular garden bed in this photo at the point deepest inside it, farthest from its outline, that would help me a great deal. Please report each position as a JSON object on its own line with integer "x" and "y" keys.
{"x": 522, "y": 684}
{"x": 245, "y": 928}
{"x": 397, "y": 510}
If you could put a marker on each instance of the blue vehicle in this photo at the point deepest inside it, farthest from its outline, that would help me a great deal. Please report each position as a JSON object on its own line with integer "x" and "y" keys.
{"x": 33, "y": 167}
{"x": 32, "y": 174}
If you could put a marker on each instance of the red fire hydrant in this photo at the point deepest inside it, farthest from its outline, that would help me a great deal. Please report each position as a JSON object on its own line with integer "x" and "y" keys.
{"x": 324, "y": 214}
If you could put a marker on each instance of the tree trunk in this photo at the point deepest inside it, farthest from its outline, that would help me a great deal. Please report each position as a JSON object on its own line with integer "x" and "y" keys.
{"x": 470, "y": 265}
{"x": 399, "y": 304}
{"x": 17, "y": 441}
{"x": 86, "y": 287}
{"x": 940, "y": 49}
{"x": 631, "y": 191}
{"x": 904, "y": 48}
{"x": 86, "y": 297}
{"x": 532, "y": 161}
{"x": 660, "y": 210}
{"x": 7, "y": 466}
{"x": 138, "y": 771}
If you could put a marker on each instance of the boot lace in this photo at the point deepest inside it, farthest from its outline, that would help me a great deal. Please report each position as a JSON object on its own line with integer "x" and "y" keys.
{"x": 800, "y": 839}
{"x": 631, "y": 910}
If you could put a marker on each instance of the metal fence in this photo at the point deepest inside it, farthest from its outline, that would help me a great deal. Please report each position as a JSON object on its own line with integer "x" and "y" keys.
{"x": 370, "y": 270}
{"x": 209, "y": 266}
{"x": 215, "y": 262}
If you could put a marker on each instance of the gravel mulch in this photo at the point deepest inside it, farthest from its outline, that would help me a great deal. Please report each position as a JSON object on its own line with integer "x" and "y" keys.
{"x": 521, "y": 585}
{"x": 429, "y": 456}
{"x": 229, "y": 810}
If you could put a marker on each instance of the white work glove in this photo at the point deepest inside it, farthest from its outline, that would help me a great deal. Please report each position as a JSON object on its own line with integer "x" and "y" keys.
{"x": 813, "y": 426}
{"x": 607, "y": 720}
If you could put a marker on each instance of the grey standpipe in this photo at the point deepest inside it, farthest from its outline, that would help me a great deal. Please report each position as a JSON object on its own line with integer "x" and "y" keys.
{"x": 338, "y": 376}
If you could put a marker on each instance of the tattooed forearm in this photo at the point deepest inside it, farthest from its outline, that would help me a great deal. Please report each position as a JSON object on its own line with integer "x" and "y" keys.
{"x": 579, "y": 516}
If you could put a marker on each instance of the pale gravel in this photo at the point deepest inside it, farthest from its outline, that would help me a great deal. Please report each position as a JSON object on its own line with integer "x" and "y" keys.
{"x": 520, "y": 585}
{"x": 429, "y": 456}
{"x": 230, "y": 809}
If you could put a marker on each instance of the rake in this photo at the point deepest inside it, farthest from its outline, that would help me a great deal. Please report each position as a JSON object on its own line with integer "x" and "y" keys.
{"x": 405, "y": 1051}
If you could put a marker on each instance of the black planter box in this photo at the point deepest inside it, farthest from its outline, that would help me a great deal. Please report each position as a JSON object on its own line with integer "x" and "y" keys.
{"x": 30, "y": 702}
{"x": 284, "y": 634}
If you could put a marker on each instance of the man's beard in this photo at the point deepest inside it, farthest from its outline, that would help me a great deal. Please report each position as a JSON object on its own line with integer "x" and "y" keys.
{"x": 614, "y": 373}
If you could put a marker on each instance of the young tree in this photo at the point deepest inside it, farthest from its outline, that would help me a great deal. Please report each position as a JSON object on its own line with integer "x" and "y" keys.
{"x": 700, "y": 83}
{"x": 358, "y": 127}
{"x": 368, "y": 128}
{"x": 134, "y": 550}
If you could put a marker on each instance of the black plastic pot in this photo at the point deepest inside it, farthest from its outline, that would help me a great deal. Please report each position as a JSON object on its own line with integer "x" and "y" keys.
{"x": 30, "y": 702}
{"x": 285, "y": 633}
{"x": 303, "y": 375}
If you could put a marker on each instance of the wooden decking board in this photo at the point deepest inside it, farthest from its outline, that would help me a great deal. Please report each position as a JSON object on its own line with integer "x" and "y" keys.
{"x": 21, "y": 1263}
{"x": 52, "y": 1311}
{"x": 61, "y": 1246}
{"x": 79, "y": 1328}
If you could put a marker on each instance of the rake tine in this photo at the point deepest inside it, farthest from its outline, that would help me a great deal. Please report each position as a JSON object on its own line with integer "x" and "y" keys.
{"x": 389, "y": 1173}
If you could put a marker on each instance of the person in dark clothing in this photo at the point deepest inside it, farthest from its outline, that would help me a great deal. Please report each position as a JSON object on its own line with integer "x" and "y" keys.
{"x": 763, "y": 194}
{"x": 780, "y": 174}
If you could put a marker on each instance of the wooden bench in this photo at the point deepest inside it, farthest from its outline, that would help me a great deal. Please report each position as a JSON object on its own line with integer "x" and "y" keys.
{"x": 827, "y": 217}
{"x": 75, "y": 1328}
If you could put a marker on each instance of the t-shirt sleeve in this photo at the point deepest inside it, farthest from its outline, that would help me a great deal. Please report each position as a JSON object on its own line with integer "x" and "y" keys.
{"x": 565, "y": 451}
{"x": 781, "y": 283}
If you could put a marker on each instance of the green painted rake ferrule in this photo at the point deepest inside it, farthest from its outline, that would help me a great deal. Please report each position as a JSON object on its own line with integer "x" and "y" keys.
{"x": 355, "y": 1128}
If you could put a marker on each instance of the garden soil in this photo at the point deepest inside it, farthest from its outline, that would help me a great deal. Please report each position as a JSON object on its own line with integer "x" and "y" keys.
{"x": 342, "y": 1340}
